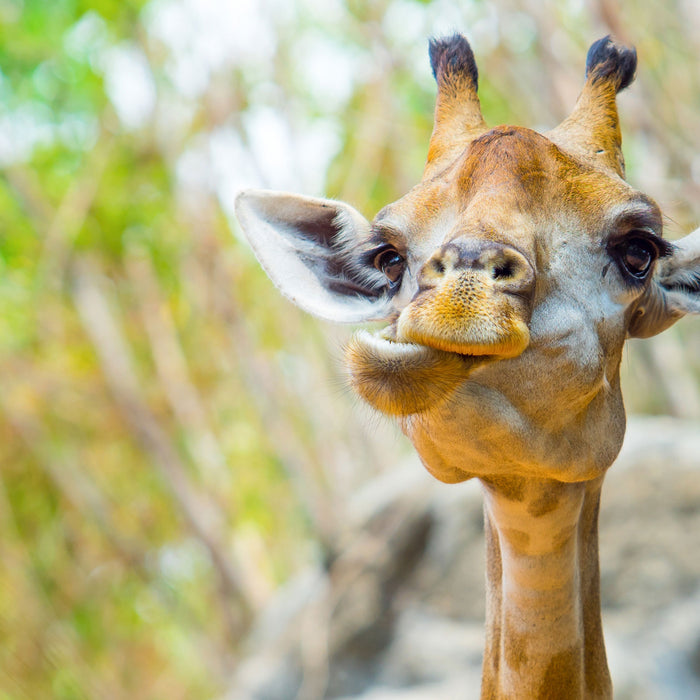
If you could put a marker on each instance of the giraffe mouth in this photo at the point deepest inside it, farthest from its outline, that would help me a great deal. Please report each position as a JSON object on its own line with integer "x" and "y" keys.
{"x": 402, "y": 378}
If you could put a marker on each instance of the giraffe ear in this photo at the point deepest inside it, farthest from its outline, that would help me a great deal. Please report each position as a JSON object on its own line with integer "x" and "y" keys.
{"x": 312, "y": 249}
{"x": 674, "y": 291}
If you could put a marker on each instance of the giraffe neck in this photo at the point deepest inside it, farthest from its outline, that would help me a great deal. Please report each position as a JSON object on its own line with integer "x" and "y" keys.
{"x": 544, "y": 637}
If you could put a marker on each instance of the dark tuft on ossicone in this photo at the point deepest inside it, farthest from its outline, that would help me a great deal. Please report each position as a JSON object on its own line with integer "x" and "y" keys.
{"x": 452, "y": 57}
{"x": 607, "y": 60}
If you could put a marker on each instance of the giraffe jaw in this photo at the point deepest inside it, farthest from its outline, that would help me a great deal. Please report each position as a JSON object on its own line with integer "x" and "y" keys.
{"x": 401, "y": 378}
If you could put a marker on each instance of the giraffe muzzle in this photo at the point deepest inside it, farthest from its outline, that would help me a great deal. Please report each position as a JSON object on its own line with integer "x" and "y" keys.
{"x": 474, "y": 298}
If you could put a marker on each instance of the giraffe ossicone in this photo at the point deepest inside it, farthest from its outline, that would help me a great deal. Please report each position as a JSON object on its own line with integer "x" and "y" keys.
{"x": 509, "y": 279}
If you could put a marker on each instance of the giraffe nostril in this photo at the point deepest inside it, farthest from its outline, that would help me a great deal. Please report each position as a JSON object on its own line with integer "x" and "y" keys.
{"x": 438, "y": 266}
{"x": 498, "y": 264}
{"x": 503, "y": 270}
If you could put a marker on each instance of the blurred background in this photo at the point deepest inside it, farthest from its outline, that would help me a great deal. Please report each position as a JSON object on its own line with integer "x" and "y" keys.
{"x": 192, "y": 505}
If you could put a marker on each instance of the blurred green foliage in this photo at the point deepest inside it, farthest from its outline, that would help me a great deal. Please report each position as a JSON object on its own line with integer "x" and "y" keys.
{"x": 175, "y": 441}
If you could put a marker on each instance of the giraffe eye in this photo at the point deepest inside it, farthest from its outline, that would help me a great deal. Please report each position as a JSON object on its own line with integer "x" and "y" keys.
{"x": 636, "y": 256}
{"x": 391, "y": 263}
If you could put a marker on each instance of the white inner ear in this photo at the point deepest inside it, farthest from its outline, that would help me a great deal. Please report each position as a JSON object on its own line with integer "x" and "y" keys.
{"x": 275, "y": 223}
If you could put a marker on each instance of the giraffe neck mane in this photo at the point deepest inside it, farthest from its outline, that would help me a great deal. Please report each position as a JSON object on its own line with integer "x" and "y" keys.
{"x": 544, "y": 636}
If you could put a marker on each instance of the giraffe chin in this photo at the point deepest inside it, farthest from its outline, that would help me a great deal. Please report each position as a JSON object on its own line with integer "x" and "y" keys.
{"x": 402, "y": 378}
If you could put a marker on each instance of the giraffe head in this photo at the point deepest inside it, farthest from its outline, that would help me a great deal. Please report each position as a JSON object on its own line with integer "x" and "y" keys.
{"x": 508, "y": 278}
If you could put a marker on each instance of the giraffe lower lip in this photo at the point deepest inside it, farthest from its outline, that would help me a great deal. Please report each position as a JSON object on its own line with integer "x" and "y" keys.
{"x": 386, "y": 342}
{"x": 401, "y": 378}
{"x": 392, "y": 345}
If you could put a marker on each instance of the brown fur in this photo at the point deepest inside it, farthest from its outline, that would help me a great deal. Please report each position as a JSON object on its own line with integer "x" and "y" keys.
{"x": 560, "y": 679}
{"x": 543, "y": 504}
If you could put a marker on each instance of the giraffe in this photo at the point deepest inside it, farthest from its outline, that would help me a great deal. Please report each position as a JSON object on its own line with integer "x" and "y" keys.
{"x": 508, "y": 280}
